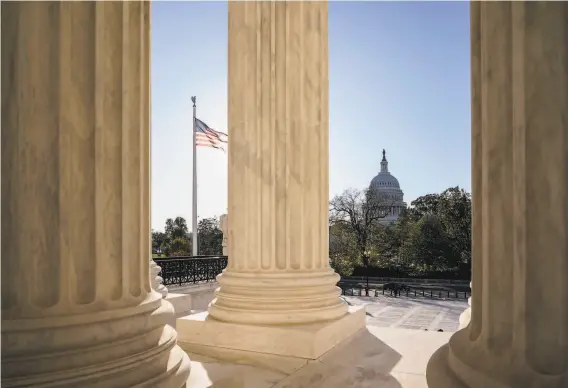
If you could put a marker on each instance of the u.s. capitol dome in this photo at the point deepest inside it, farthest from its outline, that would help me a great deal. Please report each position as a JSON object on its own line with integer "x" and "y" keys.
{"x": 387, "y": 187}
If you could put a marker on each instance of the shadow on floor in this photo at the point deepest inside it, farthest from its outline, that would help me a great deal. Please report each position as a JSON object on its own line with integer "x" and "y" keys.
{"x": 211, "y": 373}
{"x": 363, "y": 361}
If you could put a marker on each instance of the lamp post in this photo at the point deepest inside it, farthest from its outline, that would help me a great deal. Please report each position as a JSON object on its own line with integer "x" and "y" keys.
{"x": 366, "y": 263}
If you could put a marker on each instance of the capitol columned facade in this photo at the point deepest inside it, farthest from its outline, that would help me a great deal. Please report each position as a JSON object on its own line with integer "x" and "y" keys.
{"x": 386, "y": 186}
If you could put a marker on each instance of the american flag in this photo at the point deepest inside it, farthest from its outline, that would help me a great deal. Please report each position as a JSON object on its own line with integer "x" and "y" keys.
{"x": 207, "y": 137}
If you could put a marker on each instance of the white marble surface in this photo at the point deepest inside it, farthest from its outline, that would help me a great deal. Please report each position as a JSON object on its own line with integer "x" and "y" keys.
{"x": 305, "y": 341}
{"x": 411, "y": 313}
{"x": 77, "y": 305}
{"x": 375, "y": 357}
{"x": 518, "y": 331}
{"x": 278, "y": 167}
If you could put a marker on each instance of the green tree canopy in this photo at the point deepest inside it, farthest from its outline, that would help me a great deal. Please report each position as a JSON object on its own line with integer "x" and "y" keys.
{"x": 159, "y": 240}
{"x": 354, "y": 219}
{"x": 176, "y": 240}
{"x": 210, "y": 237}
{"x": 453, "y": 209}
{"x": 178, "y": 246}
{"x": 176, "y": 228}
{"x": 433, "y": 234}
{"x": 427, "y": 247}
{"x": 342, "y": 248}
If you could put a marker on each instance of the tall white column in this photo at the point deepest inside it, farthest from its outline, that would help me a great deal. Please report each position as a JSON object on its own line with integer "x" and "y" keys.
{"x": 77, "y": 306}
{"x": 278, "y": 267}
{"x": 518, "y": 334}
{"x": 278, "y": 275}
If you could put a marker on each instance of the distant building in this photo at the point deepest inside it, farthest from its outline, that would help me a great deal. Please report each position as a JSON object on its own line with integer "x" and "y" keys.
{"x": 388, "y": 190}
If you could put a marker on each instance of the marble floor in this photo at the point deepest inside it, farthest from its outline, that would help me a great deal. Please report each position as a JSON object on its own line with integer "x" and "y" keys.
{"x": 392, "y": 352}
{"x": 411, "y": 312}
{"x": 374, "y": 357}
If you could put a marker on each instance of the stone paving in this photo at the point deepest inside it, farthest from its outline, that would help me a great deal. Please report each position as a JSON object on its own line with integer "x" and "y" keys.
{"x": 411, "y": 313}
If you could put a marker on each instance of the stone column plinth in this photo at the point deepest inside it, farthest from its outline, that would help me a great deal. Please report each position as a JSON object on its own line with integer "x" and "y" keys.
{"x": 278, "y": 271}
{"x": 77, "y": 306}
{"x": 518, "y": 334}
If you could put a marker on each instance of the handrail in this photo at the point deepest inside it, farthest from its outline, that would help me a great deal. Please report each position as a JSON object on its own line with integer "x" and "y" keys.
{"x": 396, "y": 290}
{"x": 181, "y": 270}
{"x": 381, "y": 279}
{"x": 188, "y": 257}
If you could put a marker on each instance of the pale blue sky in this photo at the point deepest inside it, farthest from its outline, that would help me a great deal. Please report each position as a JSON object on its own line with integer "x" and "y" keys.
{"x": 399, "y": 80}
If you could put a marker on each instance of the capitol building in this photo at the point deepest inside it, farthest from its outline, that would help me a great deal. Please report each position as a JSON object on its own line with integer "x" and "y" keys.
{"x": 386, "y": 186}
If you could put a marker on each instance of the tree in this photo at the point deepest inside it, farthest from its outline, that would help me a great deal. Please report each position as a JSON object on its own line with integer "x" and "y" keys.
{"x": 386, "y": 245}
{"x": 178, "y": 246}
{"x": 176, "y": 228}
{"x": 427, "y": 204}
{"x": 359, "y": 213}
{"x": 453, "y": 209}
{"x": 428, "y": 247}
{"x": 342, "y": 248}
{"x": 159, "y": 240}
{"x": 177, "y": 241}
{"x": 177, "y": 238}
{"x": 210, "y": 237}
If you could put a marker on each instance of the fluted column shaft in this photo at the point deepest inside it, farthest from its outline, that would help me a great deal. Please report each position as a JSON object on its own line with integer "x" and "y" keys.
{"x": 278, "y": 166}
{"x": 77, "y": 306}
{"x": 518, "y": 334}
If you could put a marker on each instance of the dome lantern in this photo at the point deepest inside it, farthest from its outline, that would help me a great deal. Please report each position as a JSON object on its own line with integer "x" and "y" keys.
{"x": 384, "y": 163}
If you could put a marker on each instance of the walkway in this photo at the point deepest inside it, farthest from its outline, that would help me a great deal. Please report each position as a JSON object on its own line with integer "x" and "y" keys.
{"x": 411, "y": 313}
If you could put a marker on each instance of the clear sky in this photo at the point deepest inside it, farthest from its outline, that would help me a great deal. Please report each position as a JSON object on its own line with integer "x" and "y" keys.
{"x": 399, "y": 80}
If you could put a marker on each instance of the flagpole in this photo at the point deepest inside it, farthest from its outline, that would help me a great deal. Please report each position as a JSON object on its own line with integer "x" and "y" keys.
{"x": 194, "y": 209}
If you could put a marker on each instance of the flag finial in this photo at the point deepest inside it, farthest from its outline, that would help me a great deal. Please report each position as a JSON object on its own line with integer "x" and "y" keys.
{"x": 193, "y": 100}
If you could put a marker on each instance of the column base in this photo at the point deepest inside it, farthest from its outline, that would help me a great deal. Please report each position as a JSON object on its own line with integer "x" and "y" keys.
{"x": 438, "y": 371}
{"x": 448, "y": 369}
{"x": 130, "y": 347}
{"x": 460, "y": 364}
{"x": 278, "y": 298}
{"x": 308, "y": 341}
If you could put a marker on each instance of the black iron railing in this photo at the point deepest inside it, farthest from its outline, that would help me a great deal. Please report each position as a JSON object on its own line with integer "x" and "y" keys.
{"x": 400, "y": 289}
{"x": 184, "y": 270}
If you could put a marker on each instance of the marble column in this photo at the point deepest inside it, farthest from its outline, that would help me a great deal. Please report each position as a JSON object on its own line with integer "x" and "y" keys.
{"x": 278, "y": 294}
{"x": 77, "y": 306}
{"x": 518, "y": 334}
{"x": 278, "y": 269}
